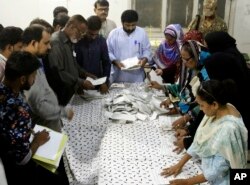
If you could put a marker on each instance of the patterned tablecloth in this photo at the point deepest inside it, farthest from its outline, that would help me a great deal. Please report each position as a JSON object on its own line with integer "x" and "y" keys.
{"x": 102, "y": 152}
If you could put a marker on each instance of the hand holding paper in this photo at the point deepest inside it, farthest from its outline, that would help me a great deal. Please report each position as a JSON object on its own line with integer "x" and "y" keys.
{"x": 98, "y": 81}
{"x": 131, "y": 63}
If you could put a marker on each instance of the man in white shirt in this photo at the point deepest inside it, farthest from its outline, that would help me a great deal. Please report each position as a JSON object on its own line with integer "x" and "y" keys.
{"x": 126, "y": 42}
{"x": 102, "y": 9}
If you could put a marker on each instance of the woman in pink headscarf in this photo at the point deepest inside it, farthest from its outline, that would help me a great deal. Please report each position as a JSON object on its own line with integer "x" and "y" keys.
{"x": 167, "y": 56}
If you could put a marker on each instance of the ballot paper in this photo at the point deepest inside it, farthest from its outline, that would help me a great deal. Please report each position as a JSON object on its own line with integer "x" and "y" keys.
{"x": 130, "y": 63}
{"x": 92, "y": 95}
{"x": 98, "y": 81}
{"x": 154, "y": 77}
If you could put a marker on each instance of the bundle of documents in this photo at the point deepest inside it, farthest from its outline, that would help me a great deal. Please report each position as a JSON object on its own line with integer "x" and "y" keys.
{"x": 49, "y": 154}
{"x": 98, "y": 81}
{"x": 130, "y": 64}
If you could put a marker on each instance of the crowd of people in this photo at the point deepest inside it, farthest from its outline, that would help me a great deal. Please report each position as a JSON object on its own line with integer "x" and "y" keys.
{"x": 44, "y": 65}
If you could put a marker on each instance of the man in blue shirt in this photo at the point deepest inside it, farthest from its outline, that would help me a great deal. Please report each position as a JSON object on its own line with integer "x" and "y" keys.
{"x": 92, "y": 52}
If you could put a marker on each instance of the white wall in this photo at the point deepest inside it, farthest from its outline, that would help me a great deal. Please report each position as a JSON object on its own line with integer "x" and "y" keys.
{"x": 241, "y": 31}
{"x": 21, "y": 12}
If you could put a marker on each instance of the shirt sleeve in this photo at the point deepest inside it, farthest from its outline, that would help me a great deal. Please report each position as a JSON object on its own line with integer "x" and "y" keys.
{"x": 111, "y": 45}
{"x": 217, "y": 167}
{"x": 106, "y": 64}
{"x": 146, "y": 48}
{"x": 41, "y": 104}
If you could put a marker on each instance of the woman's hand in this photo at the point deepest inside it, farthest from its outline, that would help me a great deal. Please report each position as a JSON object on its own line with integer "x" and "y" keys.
{"x": 166, "y": 103}
{"x": 179, "y": 123}
{"x": 173, "y": 170}
{"x": 155, "y": 85}
{"x": 159, "y": 72}
{"x": 179, "y": 143}
{"x": 179, "y": 182}
{"x": 181, "y": 133}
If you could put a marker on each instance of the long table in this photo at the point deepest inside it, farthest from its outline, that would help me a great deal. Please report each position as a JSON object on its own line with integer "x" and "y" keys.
{"x": 102, "y": 152}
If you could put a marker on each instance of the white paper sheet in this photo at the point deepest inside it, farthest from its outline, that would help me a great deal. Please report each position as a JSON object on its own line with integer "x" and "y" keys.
{"x": 130, "y": 63}
{"x": 49, "y": 149}
{"x": 98, "y": 81}
{"x": 154, "y": 77}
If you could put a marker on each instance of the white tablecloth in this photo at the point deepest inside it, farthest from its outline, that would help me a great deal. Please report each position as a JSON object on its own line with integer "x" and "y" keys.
{"x": 102, "y": 152}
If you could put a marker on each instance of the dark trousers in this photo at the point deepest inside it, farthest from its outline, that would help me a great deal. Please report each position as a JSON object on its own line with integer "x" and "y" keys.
{"x": 33, "y": 174}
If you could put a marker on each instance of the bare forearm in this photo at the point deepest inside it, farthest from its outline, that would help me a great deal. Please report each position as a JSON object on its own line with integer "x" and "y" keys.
{"x": 196, "y": 179}
{"x": 185, "y": 159}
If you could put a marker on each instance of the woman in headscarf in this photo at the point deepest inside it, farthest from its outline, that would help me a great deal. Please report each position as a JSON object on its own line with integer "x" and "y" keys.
{"x": 222, "y": 66}
{"x": 167, "y": 56}
{"x": 220, "y": 41}
{"x": 220, "y": 140}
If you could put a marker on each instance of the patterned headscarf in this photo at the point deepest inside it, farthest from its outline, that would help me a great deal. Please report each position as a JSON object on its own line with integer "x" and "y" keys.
{"x": 175, "y": 30}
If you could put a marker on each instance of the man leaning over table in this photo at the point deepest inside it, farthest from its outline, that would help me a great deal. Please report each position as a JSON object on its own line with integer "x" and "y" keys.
{"x": 126, "y": 42}
{"x": 92, "y": 52}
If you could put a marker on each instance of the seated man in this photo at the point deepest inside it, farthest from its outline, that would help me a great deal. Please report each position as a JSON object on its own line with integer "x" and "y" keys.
{"x": 92, "y": 52}
{"x": 126, "y": 42}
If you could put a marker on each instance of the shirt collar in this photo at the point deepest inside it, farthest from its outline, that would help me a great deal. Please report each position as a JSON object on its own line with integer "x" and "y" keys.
{"x": 3, "y": 57}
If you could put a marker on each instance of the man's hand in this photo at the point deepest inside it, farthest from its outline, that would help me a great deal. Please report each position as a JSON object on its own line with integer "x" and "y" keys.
{"x": 104, "y": 89}
{"x": 87, "y": 85}
{"x": 118, "y": 64}
{"x": 70, "y": 114}
{"x": 142, "y": 62}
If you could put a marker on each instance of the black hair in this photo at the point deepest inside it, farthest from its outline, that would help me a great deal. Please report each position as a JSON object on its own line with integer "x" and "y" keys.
{"x": 76, "y": 19}
{"x": 1, "y": 27}
{"x": 19, "y": 64}
{"x": 42, "y": 22}
{"x": 10, "y": 35}
{"x": 220, "y": 91}
{"x": 101, "y": 3}
{"x": 33, "y": 32}
{"x": 60, "y": 20}
{"x": 94, "y": 23}
{"x": 129, "y": 16}
{"x": 59, "y": 9}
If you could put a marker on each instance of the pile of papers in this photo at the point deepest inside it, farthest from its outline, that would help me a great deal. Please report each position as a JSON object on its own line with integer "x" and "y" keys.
{"x": 92, "y": 95}
{"x": 49, "y": 154}
{"x": 131, "y": 107}
{"x": 130, "y": 64}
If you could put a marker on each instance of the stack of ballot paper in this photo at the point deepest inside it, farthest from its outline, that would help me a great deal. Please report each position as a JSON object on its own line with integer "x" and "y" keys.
{"x": 98, "y": 81}
{"x": 130, "y": 64}
{"x": 49, "y": 154}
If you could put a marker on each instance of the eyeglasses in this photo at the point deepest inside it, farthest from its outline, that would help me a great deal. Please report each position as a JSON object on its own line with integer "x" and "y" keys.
{"x": 186, "y": 59}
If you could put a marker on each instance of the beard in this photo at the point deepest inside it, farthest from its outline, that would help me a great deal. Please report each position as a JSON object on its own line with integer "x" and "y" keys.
{"x": 73, "y": 40}
{"x": 129, "y": 31}
{"x": 26, "y": 86}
